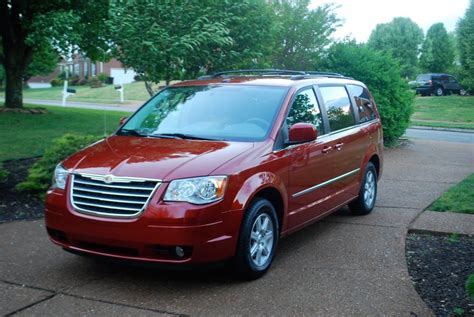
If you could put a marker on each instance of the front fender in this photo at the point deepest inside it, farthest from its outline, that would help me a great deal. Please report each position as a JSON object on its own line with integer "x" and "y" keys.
{"x": 256, "y": 183}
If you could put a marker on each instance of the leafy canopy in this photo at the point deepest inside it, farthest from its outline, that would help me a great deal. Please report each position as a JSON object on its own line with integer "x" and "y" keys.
{"x": 381, "y": 74}
{"x": 465, "y": 35}
{"x": 437, "y": 53}
{"x": 160, "y": 40}
{"x": 402, "y": 38}
{"x": 301, "y": 35}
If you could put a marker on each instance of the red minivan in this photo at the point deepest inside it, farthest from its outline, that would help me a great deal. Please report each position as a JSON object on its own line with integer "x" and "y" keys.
{"x": 220, "y": 168}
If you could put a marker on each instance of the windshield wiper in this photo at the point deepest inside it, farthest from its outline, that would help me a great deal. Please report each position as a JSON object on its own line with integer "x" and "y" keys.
{"x": 181, "y": 136}
{"x": 130, "y": 132}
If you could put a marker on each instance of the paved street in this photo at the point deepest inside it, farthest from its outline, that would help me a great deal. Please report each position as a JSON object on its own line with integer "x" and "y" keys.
{"x": 460, "y": 136}
{"x": 344, "y": 265}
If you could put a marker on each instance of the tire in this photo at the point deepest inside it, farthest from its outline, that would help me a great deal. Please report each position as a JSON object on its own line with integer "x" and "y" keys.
{"x": 439, "y": 91}
{"x": 462, "y": 92}
{"x": 255, "y": 249}
{"x": 365, "y": 202}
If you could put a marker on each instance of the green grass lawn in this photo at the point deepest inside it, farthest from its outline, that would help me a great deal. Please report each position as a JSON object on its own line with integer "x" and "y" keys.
{"x": 27, "y": 135}
{"x": 459, "y": 198}
{"x": 446, "y": 112}
{"x": 132, "y": 93}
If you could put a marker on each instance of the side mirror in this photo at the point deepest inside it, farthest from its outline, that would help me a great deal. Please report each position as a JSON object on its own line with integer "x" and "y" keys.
{"x": 302, "y": 132}
{"x": 123, "y": 120}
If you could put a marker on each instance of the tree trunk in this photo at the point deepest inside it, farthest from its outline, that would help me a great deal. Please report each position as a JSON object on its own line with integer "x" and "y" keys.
{"x": 14, "y": 88}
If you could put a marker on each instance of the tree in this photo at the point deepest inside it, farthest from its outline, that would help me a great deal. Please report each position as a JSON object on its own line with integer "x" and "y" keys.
{"x": 29, "y": 28}
{"x": 465, "y": 35}
{"x": 186, "y": 38}
{"x": 381, "y": 74}
{"x": 437, "y": 53}
{"x": 44, "y": 62}
{"x": 301, "y": 35}
{"x": 402, "y": 38}
{"x": 250, "y": 25}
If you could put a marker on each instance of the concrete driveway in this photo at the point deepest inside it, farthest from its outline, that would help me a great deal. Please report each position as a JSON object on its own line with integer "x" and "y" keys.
{"x": 344, "y": 265}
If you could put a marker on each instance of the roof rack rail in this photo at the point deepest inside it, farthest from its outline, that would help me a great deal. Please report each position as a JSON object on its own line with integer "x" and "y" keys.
{"x": 295, "y": 74}
{"x": 264, "y": 71}
{"x": 324, "y": 74}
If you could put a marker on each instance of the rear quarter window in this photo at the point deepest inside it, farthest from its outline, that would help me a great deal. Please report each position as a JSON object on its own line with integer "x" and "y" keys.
{"x": 363, "y": 102}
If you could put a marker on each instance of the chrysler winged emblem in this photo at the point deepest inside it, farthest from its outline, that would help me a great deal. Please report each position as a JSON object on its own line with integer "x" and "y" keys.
{"x": 109, "y": 179}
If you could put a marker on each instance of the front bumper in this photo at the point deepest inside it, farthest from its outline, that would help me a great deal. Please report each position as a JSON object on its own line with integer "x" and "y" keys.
{"x": 206, "y": 233}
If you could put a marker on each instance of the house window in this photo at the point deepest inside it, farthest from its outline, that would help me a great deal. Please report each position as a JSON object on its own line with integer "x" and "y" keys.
{"x": 76, "y": 69}
{"x": 93, "y": 69}
{"x": 86, "y": 69}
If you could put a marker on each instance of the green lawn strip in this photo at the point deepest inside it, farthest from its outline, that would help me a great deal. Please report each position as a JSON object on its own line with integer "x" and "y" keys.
{"x": 435, "y": 124}
{"x": 27, "y": 135}
{"x": 132, "y": 93}
{"x": 459, "y": 198}
{"x": 447, "y": 109}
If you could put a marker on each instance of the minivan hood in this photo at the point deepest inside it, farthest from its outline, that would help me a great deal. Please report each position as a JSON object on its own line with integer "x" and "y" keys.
{"x": 155, "y": 158}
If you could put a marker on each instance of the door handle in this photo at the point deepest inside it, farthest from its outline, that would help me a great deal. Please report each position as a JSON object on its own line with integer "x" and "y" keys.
{"x": 339, "y": 146}
{"x": 326, "y": 149}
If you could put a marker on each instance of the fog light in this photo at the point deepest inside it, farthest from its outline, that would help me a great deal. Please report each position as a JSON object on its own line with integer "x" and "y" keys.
{"x": 179, "y": 251}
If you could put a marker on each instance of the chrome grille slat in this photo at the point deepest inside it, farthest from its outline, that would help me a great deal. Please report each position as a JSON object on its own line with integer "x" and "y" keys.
{"x": 113, "y": 186}
{"x": 106, "y": 206}
{"x": 135, "y": 202}
{"x": 101, "y": 195}
{"x": 109, "y": 192}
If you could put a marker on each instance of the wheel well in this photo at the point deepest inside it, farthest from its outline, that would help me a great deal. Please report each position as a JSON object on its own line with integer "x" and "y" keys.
{"x": 274, "y": 196}
{"x": 376, "y": 161}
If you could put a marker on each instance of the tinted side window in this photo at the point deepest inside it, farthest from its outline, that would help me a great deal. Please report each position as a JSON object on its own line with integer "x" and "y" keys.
{"x": 452, "y": 80}
{"x": 338, "y": 107}
{"x": 305, "y": 108}
{"x": 363, "y": 103}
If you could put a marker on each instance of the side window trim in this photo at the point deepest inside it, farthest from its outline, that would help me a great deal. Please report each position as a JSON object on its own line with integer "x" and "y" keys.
{"x": 322, "y": 107}
{"x": 355, "y": 114}
{"x": 292, "y": 100}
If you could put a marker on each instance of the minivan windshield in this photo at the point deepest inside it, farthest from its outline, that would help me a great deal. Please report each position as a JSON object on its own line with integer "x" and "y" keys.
{"x": 212, "y": 112}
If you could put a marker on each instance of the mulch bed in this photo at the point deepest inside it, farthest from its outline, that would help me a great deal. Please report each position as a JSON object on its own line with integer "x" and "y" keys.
{"x": 14, "y": 204}
{"x": 439, "y": 266}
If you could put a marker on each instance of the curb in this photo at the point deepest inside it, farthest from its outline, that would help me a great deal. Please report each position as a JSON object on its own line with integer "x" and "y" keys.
{"x": 417, "y": 127}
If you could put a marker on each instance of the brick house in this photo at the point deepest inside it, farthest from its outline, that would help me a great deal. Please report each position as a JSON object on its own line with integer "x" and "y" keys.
{"x": 84, "y": 68}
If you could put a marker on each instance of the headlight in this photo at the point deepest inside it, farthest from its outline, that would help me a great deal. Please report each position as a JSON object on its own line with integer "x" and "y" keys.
{"x": 60, "y": 177}
{"x": 200, "y": 190}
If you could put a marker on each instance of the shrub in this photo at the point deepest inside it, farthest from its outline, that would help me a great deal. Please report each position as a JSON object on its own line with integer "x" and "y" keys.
{"x": 57, "y": 82}
{"x": 470, "y": 286}
{"x": 74, "y": 80}
{"x": 102, "y": 77}
{"x": 381, "y": 74}
{"x": 3, "y": 173}
{"x": 41, "y": 173}
{"x": 83, "y": 82}
{"x": 94, "y": 82}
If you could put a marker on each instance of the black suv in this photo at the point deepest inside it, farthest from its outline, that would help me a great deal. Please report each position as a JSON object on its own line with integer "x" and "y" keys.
{"x": 437, "y": 84}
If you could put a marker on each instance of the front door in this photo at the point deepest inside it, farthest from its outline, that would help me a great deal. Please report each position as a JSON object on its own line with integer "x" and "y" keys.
{"x": 310, "y": 163}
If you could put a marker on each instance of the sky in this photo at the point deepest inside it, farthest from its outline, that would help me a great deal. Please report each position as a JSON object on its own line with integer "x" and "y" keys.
{"x": 361, "y": 16}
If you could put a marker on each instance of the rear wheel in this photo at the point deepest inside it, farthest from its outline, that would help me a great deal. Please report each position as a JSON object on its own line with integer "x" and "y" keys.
{"x": 258, "y": 240}
{"x": 439, "y": 91}
{"x": 365, "y": 202}
{"x": 462, "y": 92}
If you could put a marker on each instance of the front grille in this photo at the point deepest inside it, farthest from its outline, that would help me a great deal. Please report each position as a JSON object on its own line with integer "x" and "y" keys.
{"x": 108, "y": 195}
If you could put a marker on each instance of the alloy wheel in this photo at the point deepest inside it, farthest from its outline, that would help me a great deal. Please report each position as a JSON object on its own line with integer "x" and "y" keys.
{"x": 261, "y": 240}
{"x": 369, "y": 189}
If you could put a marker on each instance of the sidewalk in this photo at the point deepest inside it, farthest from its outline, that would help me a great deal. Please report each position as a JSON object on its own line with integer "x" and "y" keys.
{"x": 343, "y": 265}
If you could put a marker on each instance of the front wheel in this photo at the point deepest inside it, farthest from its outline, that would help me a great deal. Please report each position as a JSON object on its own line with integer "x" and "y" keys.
{"x": 258, "y": 240}
{"x": 365, "y": 202}
{"x": 439, "y": 92}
